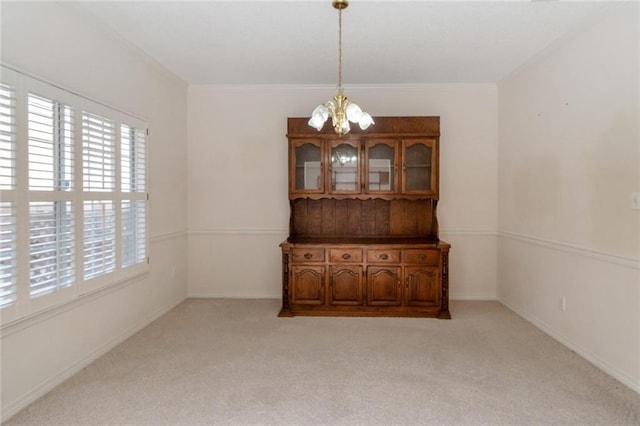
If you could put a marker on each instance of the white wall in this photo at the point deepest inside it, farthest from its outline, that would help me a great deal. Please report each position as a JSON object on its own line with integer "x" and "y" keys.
{"x": 60, "y": 44}
{"x": 237, "y": 180}
{"x": 569, "y": 158}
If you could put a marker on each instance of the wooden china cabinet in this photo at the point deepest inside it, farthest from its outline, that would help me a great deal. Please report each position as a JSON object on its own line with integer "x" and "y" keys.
{"x": 363, "y": 231}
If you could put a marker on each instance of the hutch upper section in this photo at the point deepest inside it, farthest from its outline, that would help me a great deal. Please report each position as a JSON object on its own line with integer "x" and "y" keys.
{"x": 397, "y": 158}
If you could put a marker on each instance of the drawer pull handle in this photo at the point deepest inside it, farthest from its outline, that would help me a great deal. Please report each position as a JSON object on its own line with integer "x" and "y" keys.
{"x": 422, "y": 257}
{"x": 308, "y": 255}
{"x": 384, "y": 256}
{"x": 346, "y": 256}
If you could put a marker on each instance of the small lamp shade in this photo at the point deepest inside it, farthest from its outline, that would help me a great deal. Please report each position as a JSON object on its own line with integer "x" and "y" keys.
{"x": 318, "y": 117}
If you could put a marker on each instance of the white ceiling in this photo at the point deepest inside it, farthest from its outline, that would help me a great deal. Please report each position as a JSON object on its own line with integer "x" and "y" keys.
{"x": 295, "y": 42}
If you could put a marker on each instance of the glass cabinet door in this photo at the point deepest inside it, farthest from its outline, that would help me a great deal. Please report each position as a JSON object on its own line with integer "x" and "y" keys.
{"x": 307, "y": 167}
{"x": 381, "y": 166}
{"x": 418, "y": 170}
{"x": 345, "y": 170}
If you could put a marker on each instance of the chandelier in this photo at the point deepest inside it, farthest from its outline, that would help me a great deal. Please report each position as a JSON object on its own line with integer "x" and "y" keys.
{"x": 341, "y": 110}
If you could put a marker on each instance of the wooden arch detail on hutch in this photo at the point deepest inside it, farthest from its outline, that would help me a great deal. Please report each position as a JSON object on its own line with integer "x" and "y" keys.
{"x": 363, "y": 230}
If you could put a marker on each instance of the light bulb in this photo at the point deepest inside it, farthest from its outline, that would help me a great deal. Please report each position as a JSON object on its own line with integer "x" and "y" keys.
{"x": 354, "y": 113}
{"x": 318, "y": 117}
{"x": 365, "y": 121}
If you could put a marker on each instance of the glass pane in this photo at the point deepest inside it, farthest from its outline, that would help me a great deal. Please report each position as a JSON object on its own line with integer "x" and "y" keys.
{"x": 418, "y": 167}
{"x": 381, "y": 163}
{"x": 344, "y": 168}
{"x": 307, "y": 171}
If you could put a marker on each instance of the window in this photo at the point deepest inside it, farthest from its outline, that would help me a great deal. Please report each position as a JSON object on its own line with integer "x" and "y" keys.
{"x": 73, "y": 215}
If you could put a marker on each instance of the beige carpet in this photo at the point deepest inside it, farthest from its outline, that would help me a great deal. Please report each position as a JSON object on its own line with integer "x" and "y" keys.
{"x": 235, "y": 362}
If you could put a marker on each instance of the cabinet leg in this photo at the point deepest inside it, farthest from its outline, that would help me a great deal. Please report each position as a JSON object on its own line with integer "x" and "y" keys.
{"x": 444, "y": 306}
{"x": 286, "y": 309}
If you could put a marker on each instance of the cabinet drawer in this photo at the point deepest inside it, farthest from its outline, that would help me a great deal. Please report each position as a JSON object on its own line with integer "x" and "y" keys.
{"x": 383, "y": 256}
{"x": 345, "y": 255}
{"x": 303, "y": 255}
{"x": 424, "y": 257}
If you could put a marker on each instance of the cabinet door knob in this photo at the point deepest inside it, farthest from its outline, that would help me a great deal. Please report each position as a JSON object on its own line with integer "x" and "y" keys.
{"x": 384, "y": 256}
{"x": 422, "y": 258}
{"x": 308, "y": 255}
{"x": 346, "y": 256}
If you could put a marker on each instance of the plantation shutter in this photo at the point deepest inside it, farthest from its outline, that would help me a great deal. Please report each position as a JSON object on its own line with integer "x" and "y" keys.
{"x": 98, "y": 152}
{"x": 8, "y": 230}
{"x": 99, "y": 175}
{"x": 8, "y": 270}
{"x": 73, "y": 196}
{"x": 51, "y": 219}
{"x": 50, "y": 126}
{"x": 7, "y": 137}
{"x": 133, "y": 147}
{"x": 99, "y": 238}
{"x": 51, "y": 242}
{"x": 134, "y": 246}
{"x": 133, "y": 182}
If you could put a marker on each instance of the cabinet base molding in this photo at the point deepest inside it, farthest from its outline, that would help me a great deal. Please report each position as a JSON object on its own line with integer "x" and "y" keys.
{"x": 364, "y": 313}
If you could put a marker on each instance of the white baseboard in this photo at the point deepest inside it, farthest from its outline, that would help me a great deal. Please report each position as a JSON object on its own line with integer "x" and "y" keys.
{"x": 14, "y": 407}
{"x": 614, "y": 372}
{"x": 213, "y": 295}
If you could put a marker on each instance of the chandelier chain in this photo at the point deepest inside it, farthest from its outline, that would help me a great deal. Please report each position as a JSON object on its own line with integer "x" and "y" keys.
{"x": 339, "y": 50}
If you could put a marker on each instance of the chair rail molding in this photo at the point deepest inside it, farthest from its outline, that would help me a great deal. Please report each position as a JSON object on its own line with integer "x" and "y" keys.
{"x": 626, "y": 261}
